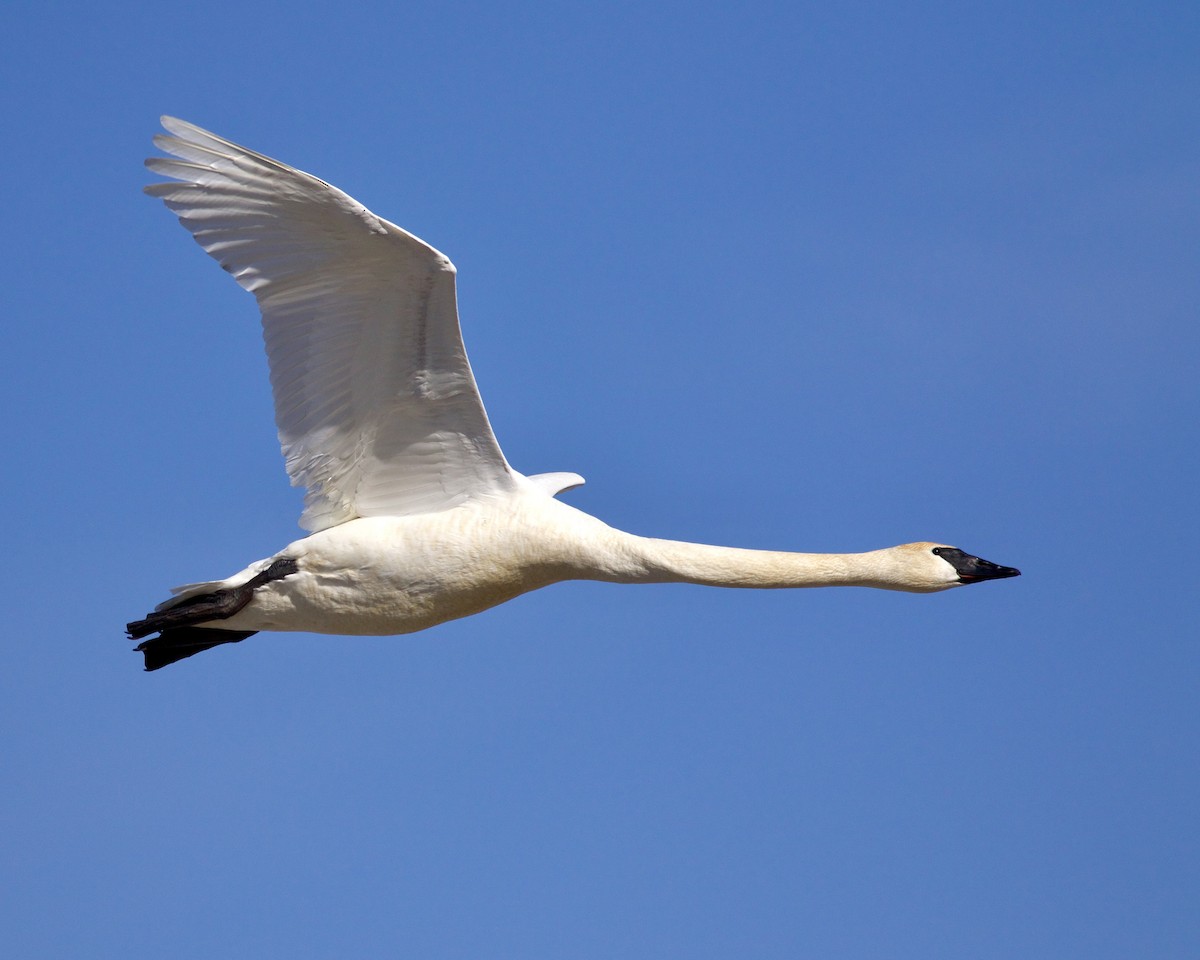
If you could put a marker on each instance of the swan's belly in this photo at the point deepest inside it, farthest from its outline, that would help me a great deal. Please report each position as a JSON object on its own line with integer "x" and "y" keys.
{"x": 368, "y": 602}
{"x": 388, "y": 575}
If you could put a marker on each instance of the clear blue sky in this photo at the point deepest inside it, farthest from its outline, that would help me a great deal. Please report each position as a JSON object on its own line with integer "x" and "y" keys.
{"x": 799, "y": 276}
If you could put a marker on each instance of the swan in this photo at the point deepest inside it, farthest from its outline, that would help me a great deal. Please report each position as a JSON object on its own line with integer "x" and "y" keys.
{"x": 414, "y": 517}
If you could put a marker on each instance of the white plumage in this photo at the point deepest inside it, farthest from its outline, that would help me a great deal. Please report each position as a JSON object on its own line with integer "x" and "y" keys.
{"x": 377, "y": 409}
{"x": 416, "y": 516}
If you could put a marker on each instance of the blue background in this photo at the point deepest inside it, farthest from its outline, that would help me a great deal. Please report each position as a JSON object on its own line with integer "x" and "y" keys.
{"x": 785, "y": 275}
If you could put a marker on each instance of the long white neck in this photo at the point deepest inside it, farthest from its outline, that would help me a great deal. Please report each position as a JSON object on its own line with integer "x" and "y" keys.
{"x": 568, "y": 544}
{"x": 673, "y": 561}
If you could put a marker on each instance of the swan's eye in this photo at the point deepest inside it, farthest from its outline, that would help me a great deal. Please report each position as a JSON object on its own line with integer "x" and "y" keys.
{"x": 937, "y": 551}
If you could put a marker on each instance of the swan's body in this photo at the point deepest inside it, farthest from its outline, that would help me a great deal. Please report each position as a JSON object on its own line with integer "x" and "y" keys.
{"x": 416, "y": 517}
{"x": 388, "y": 575}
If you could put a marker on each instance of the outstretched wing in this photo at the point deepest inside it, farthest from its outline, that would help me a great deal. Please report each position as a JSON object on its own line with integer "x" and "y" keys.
{"x": 377, "y": 409}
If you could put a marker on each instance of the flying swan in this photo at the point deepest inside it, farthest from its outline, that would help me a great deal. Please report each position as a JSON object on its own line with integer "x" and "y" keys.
{"x": 414, "y": 516}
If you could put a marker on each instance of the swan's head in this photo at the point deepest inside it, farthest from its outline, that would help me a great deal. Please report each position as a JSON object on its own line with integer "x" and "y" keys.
{"x": 927, "y": 567}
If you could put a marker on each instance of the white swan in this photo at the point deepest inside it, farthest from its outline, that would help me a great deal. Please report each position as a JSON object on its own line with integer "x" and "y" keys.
{"x": 415, "y": 516}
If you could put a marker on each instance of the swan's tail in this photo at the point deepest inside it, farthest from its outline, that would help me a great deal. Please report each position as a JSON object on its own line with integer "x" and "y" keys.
{"x": 178, "y": 624}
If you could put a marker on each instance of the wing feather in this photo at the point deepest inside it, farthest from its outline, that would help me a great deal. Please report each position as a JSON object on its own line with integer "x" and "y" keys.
{"x": 377, "y": 408}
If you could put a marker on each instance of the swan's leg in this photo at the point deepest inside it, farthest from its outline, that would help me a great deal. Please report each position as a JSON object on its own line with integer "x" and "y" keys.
{"x": 175, "y": 643}
{"x": 180, "y": 637}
